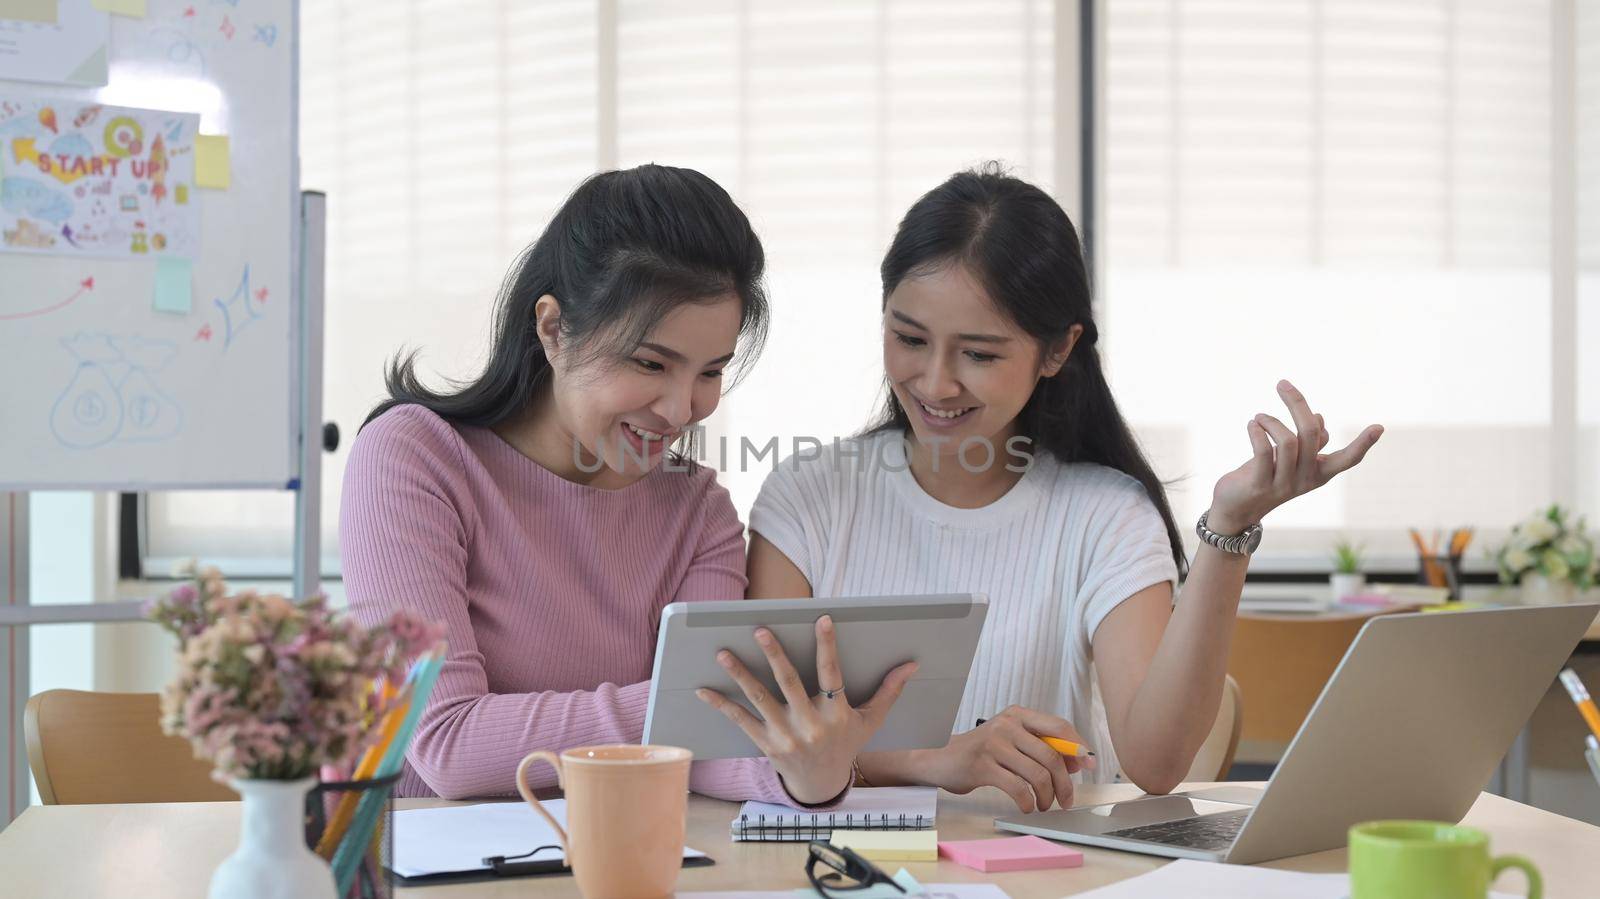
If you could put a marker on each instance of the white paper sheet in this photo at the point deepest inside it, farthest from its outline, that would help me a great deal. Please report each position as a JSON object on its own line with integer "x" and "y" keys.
{"x": 909, "y": 889}
{"x": 1208, "y": 880}
{"x": 930, "y": 891}
{"x": 459, "y": 838}
{"x": 70, "y": 50}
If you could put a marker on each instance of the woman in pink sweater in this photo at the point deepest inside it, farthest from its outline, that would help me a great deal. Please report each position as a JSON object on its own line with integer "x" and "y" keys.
{"x": 540, "y": 514}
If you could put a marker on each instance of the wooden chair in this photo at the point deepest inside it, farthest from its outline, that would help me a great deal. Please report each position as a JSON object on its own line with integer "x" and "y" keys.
{"x": 1216, "y": 753}
{"x": 108, "y": 747}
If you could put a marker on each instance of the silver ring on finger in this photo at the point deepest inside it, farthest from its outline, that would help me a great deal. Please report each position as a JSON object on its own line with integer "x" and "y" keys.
{"x": 829, "y": 694}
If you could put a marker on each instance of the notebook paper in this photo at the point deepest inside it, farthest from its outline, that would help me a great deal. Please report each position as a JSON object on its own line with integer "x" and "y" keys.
{"x": 866, "y": 808}
{"x": 458, "y": 838}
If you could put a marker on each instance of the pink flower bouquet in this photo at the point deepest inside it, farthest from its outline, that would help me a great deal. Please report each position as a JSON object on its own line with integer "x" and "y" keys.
{"x": 271, "y": 688}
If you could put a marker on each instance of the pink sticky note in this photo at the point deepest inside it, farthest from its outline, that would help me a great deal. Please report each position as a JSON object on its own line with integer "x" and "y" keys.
{"x": 1011, "y": 854}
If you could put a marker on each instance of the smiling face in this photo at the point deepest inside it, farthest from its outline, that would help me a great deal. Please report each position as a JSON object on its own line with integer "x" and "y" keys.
{"x": 621, "y": 412}
{"x": 958, "y": 365}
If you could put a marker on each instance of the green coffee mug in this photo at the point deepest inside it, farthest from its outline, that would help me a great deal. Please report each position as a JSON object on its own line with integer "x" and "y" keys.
{"x": 1427, "y": 860}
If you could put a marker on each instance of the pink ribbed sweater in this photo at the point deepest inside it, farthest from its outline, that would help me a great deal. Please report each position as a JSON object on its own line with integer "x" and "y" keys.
{"x": 550, "y": 591}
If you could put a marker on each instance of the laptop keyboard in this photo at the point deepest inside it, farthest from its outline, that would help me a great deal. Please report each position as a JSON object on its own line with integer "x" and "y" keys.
{"x": 1207, "y": 832}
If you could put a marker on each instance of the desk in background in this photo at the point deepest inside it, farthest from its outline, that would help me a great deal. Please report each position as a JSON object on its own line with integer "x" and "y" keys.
{"x": 1281, "y": 662}
{"x": 170, "y": 849}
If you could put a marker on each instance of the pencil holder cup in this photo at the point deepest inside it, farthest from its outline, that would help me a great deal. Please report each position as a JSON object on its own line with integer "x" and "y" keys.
{"x": 373, "y": 878}
{"x": 1447, "y": 568}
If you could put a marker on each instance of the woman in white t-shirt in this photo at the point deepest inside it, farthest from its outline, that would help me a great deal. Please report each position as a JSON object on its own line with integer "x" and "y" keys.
{"x": 1014, "y": 475}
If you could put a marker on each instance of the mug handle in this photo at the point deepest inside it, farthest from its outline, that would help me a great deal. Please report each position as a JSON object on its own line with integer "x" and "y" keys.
{"x": 553, "y": 761}
{"x": 1535, "y": 883}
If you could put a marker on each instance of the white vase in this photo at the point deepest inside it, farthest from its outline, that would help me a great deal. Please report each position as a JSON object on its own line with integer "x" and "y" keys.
{"x": 1342, "y": 584}
{"x": 1539, "y": 590}
{"x": 273, "y": 861}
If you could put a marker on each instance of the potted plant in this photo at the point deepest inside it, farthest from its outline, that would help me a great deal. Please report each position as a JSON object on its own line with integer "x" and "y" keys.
{"x": 1347, "y": 578}
{"x": 270, "y": 689}
{"x": 1549, "y": 558}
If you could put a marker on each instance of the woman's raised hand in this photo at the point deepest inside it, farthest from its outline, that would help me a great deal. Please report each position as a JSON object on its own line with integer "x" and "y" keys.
{"x": 812, "y": 740}
{"x": 1285, "y": 464}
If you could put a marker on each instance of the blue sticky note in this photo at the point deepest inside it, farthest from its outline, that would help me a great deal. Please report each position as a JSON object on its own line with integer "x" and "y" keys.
{"x": 173, "y": 293}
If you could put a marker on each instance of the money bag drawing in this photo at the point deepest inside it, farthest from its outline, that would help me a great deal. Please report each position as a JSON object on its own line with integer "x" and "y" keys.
{"x": 113, "y": 395}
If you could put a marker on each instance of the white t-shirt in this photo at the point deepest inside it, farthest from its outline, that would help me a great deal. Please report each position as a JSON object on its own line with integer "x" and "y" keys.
{"x": 1054, "y": 555}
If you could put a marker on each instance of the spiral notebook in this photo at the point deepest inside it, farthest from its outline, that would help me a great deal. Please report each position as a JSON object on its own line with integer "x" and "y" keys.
{"x": 866, "y": 808}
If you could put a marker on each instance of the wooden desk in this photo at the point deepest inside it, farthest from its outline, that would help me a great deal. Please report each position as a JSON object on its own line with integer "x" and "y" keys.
{"x": 170, "y": 849}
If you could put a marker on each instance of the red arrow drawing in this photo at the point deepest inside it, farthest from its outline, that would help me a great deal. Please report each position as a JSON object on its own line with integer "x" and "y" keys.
{"x": 85, "y": 285}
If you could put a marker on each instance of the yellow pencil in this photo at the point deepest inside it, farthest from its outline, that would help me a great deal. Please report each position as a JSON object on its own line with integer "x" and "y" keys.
{"x": 1580, "y": 696}
{"x": 368, "y": 766}
{"x": 1067, "y": 747}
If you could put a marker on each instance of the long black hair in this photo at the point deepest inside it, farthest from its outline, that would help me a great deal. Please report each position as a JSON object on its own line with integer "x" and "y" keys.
{"x": 625, "y": 249}
{"x": 1019, "y": 244}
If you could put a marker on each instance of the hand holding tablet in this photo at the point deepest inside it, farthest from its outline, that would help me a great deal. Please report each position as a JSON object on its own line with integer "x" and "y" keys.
{"x": 812, "y": 683}
{"x": 812, "y": 740}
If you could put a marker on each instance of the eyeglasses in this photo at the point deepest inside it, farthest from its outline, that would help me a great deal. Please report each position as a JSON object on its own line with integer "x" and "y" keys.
{"x": 850, "y": 871}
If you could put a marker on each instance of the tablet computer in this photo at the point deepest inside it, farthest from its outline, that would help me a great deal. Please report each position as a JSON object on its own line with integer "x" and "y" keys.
{"x": 874, "y": 634}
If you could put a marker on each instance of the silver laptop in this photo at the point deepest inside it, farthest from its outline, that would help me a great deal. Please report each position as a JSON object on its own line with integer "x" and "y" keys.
{"x": 1411, "y": 725}
{"x": 874, "y": 633}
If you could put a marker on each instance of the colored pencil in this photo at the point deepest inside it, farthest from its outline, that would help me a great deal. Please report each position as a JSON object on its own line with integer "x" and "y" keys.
{"x": 352, "y": 847}
{"x": 367, "y": 767}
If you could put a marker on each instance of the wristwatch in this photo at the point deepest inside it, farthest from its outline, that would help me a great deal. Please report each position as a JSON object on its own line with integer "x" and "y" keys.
{"x": 1241, "y": 544}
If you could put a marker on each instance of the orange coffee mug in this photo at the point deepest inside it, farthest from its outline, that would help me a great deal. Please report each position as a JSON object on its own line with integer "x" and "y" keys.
{"x": 626, "y": 809}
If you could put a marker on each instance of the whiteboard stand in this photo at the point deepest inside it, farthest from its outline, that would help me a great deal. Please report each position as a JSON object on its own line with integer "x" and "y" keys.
{"x": 225, "y": 413}
{"x": 17, "y": 613}
{"x": 308, "y": 486}
{"x": 14, "y": 650}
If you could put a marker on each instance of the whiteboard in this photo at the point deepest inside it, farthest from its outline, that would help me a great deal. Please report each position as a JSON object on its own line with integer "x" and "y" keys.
{"x": 100, "y": 389}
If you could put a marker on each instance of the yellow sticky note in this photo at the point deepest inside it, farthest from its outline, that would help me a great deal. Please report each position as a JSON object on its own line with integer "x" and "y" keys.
{"x": 211, "y": 161}
{"x": 134, "y": 8}
{"x": 890, "y": 845}
{"x": 47, "y": 12}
